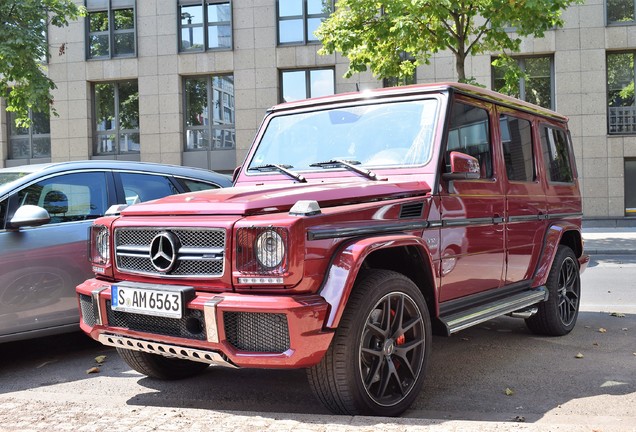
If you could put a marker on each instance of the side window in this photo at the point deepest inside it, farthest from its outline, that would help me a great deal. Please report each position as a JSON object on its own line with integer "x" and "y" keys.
{"x": 470, "y": 133}
{"x": 556, "y": 154}
{"x": 145, "y": 187}
{"x": 193, "y": 185}
{"x": 68, "y": 197}
{"x": 516, "y": 138}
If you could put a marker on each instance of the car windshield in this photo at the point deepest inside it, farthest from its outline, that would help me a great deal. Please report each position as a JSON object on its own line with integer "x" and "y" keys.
{"x": 374, "y": 135}
{"x": 10, "y": 176}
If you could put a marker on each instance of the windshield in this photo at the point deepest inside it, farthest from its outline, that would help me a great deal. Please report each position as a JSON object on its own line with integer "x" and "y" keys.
{"x": 387, "y": 134}
{"x": 11, "y": 176}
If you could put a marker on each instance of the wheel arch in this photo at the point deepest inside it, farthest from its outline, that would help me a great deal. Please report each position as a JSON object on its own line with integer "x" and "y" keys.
{"x": 561, "y": 233}
{"x": 407, "y": 255}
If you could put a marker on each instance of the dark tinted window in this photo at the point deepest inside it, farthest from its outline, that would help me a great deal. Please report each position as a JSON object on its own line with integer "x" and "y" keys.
{"x": 469, "y": 133}
{"x": 145, "y": 187}
{"x": 68, "y": 197}
{"x": 193, "y": 185}
{"x": 516, "y": 138}
{"x": 556, "y": 154}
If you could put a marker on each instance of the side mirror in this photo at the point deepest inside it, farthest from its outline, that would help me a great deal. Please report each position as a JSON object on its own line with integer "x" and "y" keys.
{"x": 29, "y": 215}
{"x": 462, "y": 167}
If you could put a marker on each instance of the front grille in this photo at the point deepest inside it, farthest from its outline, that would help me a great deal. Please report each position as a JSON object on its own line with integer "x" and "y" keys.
{"x": 191, "y": 326}
{"x": 257, "y": 332}
{"x": 88, "y": 310}
{"x": 200, "y": 252}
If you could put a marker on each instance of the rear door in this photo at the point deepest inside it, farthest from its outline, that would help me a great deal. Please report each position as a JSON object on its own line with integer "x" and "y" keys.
{"x": 526, "y": 207}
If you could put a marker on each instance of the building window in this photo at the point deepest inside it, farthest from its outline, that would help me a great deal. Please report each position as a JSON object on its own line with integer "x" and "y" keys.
{"x": 111, "y": 29}
{"x": 620, "y": 11}
{"x": 620, "y": 93}
{"x": 209, "y": 113}
{"x": 32, "y": 142}
{"x": 116, "y": 108}
{"x": 205, "y": 25}
{"x": 538, "y": 85}
{"x": 306, "y": 83}
{"x": 299, "y": 19}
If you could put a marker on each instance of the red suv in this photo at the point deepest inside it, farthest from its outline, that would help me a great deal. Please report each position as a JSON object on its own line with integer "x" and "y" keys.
{"x": 358, "y": 224}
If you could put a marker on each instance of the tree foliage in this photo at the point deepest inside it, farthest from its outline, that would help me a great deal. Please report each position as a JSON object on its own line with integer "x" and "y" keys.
{"x": 24, "y": 49}
{"x": 378, "y": 33}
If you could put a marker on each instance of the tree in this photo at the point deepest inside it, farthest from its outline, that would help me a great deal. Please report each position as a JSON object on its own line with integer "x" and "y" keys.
{"x": 380, "y": 34}
{"x": 24, "y": 49}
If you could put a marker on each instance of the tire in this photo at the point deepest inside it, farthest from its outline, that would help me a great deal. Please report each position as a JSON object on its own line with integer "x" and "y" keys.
{"x": 557, "y": 315}
{"x": 377, "y": 359}
{"x": 157, "y": 366}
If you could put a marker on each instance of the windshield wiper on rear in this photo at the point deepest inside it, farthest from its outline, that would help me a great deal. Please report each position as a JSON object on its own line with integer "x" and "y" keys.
{"x": 348, "y": 164}
{"x": 280, "y": 168}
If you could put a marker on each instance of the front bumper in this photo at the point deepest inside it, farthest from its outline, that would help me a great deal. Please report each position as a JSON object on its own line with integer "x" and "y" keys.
{"x": 239, "y": 330}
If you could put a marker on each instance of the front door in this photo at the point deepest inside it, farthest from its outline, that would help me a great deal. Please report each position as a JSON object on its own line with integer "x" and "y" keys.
{"x": 472, "y": 234}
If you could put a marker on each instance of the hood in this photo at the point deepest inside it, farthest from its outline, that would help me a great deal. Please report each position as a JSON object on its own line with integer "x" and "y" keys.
{"x": 246, "y": 200}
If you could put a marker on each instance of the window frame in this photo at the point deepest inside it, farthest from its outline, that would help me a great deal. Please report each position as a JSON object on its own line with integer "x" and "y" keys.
{"x": 608, "y": 100}
{"x": 117, "y": 131}
{"x": 205, "y": 25}
{"x": 30, "y": 137}
{"x": 609, "y": 23}
{"x": 111, "y": 32}
{"x": 308, "y": 81}
{"x": 304, "y": 17}
{"x": 521, "y": 61}
{"x": 211, "y": 127}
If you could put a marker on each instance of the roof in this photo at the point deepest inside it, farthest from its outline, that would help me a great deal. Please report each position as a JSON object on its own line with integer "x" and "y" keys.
{"x": 37, "y": 170}
{"x": 445, "y": 87}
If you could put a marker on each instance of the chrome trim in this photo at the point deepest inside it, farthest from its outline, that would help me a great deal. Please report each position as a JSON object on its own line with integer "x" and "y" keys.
{"x": 525, "y": 218}
{"x": 209, "y": 316}
{"x": 97, "y": 305}
{"x": 467, "y": 318}
{"x": 468, "y": 222}
{"x": 322, "y": 234}
{"x": 563, "y": 215}
{"x": 166, "y": 350}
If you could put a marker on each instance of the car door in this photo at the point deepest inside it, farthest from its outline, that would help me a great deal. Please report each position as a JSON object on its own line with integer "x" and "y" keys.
{"x": 41, "y": 265}
{"x": 472, "y": 211}
{"x": 526, "y": 207}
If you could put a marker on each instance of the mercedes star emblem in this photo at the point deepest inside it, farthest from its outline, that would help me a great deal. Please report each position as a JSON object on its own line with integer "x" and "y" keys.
{"x": 163, "y": 251}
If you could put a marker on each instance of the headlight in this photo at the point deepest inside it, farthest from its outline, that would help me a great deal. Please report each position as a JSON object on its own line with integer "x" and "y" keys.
{"x": 100, "y": 245}
{"x": 262, "y": 251}
{"x": 270, "y": 249}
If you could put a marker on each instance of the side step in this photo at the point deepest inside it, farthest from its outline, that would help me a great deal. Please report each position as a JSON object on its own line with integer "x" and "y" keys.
{"x": 475, "y": 315}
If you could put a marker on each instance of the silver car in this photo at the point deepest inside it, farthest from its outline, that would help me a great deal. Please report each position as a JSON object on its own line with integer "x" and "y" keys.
{"x": 45, "y": 214}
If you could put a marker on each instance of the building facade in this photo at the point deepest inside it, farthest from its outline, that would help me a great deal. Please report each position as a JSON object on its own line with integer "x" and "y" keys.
{"x": 187, "y": 82}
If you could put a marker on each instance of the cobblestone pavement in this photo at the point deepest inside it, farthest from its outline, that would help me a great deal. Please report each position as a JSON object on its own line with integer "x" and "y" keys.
{"x": 31, "y": 411}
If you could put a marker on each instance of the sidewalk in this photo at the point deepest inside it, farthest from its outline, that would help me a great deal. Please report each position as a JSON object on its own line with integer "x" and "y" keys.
{"x": 610, "y": 241}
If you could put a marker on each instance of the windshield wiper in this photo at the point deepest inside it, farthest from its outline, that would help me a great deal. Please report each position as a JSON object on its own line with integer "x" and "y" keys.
{"x": 348, "y": 164}
{"x": 280, "y": 168}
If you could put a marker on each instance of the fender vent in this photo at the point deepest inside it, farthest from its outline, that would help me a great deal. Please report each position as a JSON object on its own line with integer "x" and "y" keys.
{"x": 413, "y": 210}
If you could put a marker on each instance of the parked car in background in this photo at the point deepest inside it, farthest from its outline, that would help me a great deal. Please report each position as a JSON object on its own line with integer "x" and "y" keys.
{"x": 45, "y": 214}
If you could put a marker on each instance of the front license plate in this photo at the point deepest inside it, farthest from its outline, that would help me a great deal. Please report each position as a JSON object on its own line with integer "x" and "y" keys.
{"x": 147, "y": 301}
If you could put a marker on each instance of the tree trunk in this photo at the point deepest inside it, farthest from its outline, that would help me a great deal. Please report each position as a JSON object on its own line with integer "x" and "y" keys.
{"x": 460, "y": 59}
